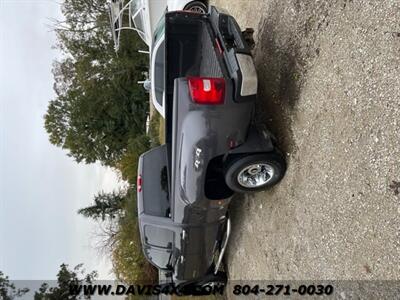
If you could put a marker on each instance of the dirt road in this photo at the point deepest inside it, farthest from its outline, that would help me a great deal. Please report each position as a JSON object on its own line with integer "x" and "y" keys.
{"x": 329, "y": 84}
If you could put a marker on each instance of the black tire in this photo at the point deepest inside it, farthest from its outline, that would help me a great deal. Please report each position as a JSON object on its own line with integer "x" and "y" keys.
{"x": 197, "y": 6}
{"x": 273, "y": 161}
{"x": 203, "y": 286}
{"x": 219, "y": 279}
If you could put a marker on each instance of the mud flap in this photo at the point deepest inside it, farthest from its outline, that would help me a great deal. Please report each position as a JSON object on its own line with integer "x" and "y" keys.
{"x": 248, "y": 37}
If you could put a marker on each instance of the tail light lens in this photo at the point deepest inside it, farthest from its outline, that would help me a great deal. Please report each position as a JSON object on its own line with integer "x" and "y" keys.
{"x": 209, "y": 91}
{"x": 139, "y": 183}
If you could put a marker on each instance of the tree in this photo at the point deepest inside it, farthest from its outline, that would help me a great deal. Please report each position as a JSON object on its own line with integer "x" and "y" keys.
{"x": 65, "y": 279}
{"x": 129, "y": 263}
{"x": 98, "y": 106}
{"x": 8, "y": 291}
{"x": 106, "y": 205}
{"x": 128, "y": 164}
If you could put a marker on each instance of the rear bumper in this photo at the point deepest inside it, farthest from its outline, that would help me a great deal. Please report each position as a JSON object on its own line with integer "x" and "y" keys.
{"x": 237, "y": 55}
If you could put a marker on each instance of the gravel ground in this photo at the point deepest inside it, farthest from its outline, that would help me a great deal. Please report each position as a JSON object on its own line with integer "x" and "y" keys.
{"x": 329, "y": 86}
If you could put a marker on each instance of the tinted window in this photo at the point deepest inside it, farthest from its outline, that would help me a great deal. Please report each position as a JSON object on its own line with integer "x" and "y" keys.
{"x": 159, "y": 237}
{"x": 160, "y": 258}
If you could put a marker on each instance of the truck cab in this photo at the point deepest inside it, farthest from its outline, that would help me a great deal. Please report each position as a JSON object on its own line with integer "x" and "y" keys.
{"x": 183, "y": 248}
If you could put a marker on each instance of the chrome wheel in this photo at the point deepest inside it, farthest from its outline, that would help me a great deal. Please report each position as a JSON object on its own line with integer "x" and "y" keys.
{"x": 255, "y": 175}
{"x": 197, "y": 9}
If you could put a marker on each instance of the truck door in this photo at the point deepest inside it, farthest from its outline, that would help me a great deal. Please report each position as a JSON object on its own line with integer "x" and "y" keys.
{"x": 194, "y": 260}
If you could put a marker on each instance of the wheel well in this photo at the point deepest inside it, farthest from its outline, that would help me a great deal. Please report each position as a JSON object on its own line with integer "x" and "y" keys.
{"x": 215, "y": 186}
{"x": 232, "y": 157}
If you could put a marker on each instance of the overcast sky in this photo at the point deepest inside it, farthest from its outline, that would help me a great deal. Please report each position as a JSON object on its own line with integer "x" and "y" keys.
{"x": 40, "y": 187}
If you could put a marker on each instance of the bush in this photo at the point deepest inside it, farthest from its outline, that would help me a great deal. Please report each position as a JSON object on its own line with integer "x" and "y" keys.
{"x": 128, "y": 164}
{"x": 154, "y": 130}
{"x": 130, "y": 265}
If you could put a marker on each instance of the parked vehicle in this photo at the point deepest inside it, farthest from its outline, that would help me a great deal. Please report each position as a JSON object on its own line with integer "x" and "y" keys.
{"x": 144, "y": 15}
{"x": 199, "y": 6}
{"x": 212, "y": 150}
{"x": 157, "y": 70}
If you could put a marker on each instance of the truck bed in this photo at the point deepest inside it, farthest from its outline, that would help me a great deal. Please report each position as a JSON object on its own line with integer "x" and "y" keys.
{"x": 198, "y": 45}
{"x": 190, "y": 51}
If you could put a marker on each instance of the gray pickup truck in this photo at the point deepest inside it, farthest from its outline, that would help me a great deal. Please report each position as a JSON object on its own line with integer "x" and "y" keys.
{"x": 212, "y": 150}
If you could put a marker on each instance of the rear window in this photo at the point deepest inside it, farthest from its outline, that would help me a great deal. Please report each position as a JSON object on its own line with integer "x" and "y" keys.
{"x": 160, "y": 258}
{"x": 155, "y": 184}
{"x": 158, "y": 237}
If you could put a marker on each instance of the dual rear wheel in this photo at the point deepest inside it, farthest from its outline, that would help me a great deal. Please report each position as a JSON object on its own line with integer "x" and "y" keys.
{"x": 248, "y": 173}
{"x": 254, "y": 172}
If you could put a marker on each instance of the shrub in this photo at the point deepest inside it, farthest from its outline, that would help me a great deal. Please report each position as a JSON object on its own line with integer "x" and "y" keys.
{"x": 129, "y": 263}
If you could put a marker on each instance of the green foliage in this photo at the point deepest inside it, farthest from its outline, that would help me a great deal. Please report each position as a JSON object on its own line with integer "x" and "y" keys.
{"x": 154, "y": 130}
{"x": 129, "y": 262}
{"x": 65, "y": 278}
{"x": 106, "y": 205}
{"x": 99, "y": 106}
{"x": 8, "y": 291}
{"x": 99, "y": 114}
{"x": 123, "y": 240}
{"x": 128, "y": 164}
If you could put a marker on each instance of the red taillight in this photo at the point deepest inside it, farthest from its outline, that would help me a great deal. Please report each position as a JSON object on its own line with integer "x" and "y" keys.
{"x": 207, "y": 90}
{"x": 139, "y": 183}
